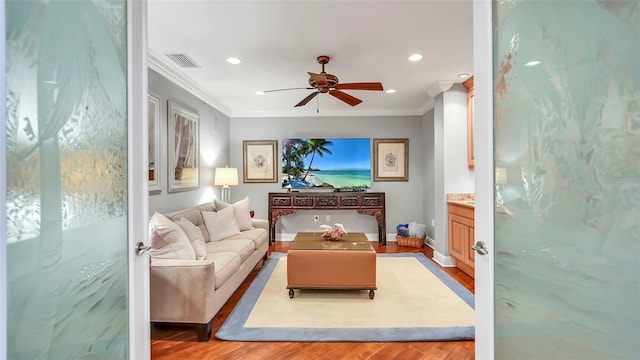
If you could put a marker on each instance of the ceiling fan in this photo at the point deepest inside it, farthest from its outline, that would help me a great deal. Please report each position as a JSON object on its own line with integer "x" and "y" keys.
{"x": 328, "y": 83}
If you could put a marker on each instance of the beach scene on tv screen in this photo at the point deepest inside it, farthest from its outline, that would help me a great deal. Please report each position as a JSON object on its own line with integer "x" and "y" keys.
{"x": 338, "y": 163}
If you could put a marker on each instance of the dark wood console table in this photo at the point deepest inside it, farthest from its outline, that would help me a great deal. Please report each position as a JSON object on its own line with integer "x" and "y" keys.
{"x": 366, "y": 203}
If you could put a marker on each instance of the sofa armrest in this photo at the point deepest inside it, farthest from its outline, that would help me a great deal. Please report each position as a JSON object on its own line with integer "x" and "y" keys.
{"x": 260, "y": 224}
{"x": 181, "y": 290}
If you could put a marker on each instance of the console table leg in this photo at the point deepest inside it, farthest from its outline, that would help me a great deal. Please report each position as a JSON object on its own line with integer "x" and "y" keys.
{"x": 381, "y": 238}
{"x": 272, "y": 235}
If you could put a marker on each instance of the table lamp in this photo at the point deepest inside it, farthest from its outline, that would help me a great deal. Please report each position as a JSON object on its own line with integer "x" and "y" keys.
{"x": 226, "y": 177}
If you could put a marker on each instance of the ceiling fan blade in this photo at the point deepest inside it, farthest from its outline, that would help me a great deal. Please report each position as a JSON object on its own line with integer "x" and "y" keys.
{"x": 319, "y": 79}
{"x": 307, "y": 99}
{"x": 376, "y": 86}
{"x": 298, "y": 88}
{"x": 353, "y": 101}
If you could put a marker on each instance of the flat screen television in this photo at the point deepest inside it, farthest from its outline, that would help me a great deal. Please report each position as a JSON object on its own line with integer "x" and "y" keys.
{"x": 331, "y": 163}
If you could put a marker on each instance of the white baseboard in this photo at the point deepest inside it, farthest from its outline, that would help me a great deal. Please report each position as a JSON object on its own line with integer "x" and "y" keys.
{"x": 285, "y": 237}
{"x": 290, "y": 236}
{"x": 444, "y": 261}
{"x": 430, "y": 242}
{"x": 370, "y": 236}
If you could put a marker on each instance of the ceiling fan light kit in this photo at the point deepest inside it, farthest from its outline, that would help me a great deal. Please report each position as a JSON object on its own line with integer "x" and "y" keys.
{"x": 324, "y": 83}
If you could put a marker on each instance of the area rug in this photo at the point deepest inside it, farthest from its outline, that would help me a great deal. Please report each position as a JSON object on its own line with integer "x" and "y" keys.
{"x": 415, "y": 301}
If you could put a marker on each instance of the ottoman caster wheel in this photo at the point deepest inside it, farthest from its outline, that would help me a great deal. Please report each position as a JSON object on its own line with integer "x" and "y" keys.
{"x": 290, "y": 293}
{"x": 371, "y": 294}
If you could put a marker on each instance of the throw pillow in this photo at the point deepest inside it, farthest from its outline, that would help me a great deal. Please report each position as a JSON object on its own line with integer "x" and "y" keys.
{"x": 241, "y": 210}
{"x": 168, "y": 240}
{"x": 195, "y": 237}
{"x": 221, "y": 224}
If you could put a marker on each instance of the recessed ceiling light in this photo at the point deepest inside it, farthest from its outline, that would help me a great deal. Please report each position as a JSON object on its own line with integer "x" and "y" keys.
{"x": 234, "y": 61}
{"x": 390, "y": 91}
{"x": 259, "y": 92}
{"x": 463, "y": 76}
{"x": 415, "y": 57}
{"x": 532, "y": 63}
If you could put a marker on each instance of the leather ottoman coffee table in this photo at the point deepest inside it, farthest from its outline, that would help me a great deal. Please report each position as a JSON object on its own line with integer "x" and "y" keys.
{"x": 316, "y": 263}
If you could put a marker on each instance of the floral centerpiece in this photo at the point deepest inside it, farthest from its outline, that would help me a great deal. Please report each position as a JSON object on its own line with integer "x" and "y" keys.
{"x": 333, "y": 233}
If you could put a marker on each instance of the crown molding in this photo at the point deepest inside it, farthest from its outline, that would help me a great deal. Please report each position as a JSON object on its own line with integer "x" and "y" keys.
{"x": 427, "y": 107}
{"x": 439, "y": 87}
{"x": 158, "y": 64}
{"x": 164, "y": 68}
{"x": 313, "y": 113}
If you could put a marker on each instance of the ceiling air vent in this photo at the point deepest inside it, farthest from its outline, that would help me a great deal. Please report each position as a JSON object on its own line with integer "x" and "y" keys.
{"x": 183, "y": 60}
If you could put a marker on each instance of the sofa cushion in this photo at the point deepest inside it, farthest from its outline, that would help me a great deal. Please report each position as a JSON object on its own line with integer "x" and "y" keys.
{"x": 194, "y": 216}
{"x": 242, "y": 247}
{"x": 206, "y": 207}
{"x": 260, "y": 224}
{"x": 195, "y": 238}
{"x": 221, "y": 224}
{"x": 168, "y": 240}
{"x": 241, "y": 210}
{"x": 225, "y": 265}
{"x": 258, "y": 236}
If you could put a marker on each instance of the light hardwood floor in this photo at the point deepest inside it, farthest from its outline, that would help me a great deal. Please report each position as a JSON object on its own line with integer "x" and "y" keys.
{"x": 175, "y": 342}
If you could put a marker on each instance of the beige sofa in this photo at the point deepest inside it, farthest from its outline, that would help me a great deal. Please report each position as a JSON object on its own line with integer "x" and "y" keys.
{"x": 193, "y": 291}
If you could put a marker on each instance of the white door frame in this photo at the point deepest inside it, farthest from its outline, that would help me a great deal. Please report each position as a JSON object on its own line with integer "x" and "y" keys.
{"x": 138, "y": 183}
{"x": 139, "y": 319}
{"x": 3, "y": 188}
{"x": 483, "y": 155}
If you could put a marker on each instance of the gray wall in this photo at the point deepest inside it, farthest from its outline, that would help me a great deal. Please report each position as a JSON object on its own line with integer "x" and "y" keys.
{"x": 437, "y": 161}
{"x": 428, "y": 206}
{"x": 441, "y": 241}
{"x": 458, "y": 177}
{"x": 214, "y": 146}
{"x": 401, "y": 197}
{"x": 452, "y": 174}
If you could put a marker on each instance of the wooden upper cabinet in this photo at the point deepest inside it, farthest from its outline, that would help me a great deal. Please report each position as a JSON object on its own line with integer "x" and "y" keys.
{"x": 468, "y": 84}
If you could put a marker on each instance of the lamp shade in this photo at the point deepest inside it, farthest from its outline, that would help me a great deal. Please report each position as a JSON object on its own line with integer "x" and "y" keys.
{"x": 226, "y": 176}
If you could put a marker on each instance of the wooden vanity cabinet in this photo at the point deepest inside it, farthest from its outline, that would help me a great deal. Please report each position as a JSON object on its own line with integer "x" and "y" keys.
{"x": 461, "y": 237}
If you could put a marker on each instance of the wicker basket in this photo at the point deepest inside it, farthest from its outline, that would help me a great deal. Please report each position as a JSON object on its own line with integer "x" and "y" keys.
{"x": 416, "y": 242}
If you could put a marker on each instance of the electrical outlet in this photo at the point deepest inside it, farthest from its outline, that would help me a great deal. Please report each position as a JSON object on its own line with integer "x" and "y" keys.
{"x": 316, "y": 218}
{"x": 433, "y": 222}
{"x": 327, "y": 218}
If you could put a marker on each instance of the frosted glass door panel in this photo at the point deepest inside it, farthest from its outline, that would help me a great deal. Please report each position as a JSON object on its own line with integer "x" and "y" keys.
{"x": 66, "y": 179}
{"x": 567, "y": 157}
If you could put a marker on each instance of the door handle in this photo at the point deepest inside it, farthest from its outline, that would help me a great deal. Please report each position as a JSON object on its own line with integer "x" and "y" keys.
{"x": 141, "y": 249}
{"x": 480, "y": 248}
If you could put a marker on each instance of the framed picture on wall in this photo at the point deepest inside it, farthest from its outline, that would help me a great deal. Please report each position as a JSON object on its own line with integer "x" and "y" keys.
{"x": 259, "y": 161}
{"x": 154, "y": 144}
{"x": 183, "y": 148}
{"x": 390, "y": 159}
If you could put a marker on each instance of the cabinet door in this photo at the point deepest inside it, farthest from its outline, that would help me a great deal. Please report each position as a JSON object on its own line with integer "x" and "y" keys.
{"x": 470, "y": 104}
{"x": 470, "y": 258}
{"x": 457, "y": 237}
